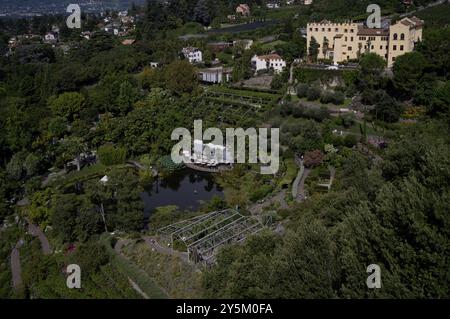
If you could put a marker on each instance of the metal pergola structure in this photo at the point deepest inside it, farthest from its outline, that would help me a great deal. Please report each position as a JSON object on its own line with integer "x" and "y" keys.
{"x": 204, "y": 235}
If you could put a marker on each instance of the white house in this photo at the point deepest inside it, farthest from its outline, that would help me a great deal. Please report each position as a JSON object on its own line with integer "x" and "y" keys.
{"x": 273, "y": 5}
{"x": 208, "y": 154}
{"x": 215, "y": 75}
{"x": 269, "y": 61}
{"x": 51, "y": 37}
{"x": 194, "y": 55}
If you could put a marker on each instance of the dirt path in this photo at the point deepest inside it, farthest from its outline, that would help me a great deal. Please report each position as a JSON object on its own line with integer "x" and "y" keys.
{"x": 257, "y": 208}
{"x": 16, "y": 269}
{"x": 301, "y": 185}
{"x": 36, "y": 231}
{"x": 138, "y": 289}
{"x": 151, "y": 241}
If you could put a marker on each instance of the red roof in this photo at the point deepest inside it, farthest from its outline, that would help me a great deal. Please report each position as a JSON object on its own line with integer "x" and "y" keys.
{"x": 372, "y": 31}
{"x": 272, "y": 56}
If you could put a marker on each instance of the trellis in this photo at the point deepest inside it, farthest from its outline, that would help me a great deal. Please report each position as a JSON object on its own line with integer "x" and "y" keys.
{"x": 204, "y": 235}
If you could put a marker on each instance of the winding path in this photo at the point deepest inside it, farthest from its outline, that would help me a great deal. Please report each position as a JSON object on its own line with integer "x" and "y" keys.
{"x": 36, "y": 231}
{"x": 16, "y": 269}
{"x": 298, "y": 187}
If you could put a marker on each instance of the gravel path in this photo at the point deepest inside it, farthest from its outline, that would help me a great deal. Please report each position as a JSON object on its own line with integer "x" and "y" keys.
{"x": 36, "y": 231}
{"x": 138, "y": 289}
{"x": 16, "y": 269}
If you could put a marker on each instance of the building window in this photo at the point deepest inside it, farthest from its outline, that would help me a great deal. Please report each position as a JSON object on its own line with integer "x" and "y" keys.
{"x": 351, "y": 39}
{"x": 381, "y": 47}
{"x": 349, "y": 48}
{"x": 395, "y": 36}
{"x": 351, "y": 30}
{"x": 402, "y": 36}
{"x": 329, "y": 29}
{"x": 317, "y": 29}
{"x": 310, "y": 29}
{"x": 393, "y": 58}
{"x": 345, "y": 39}
{"x": 372, "y": 47}
{"x": 345, "y": 30}
{"x": 401, "y": 48}
{"x": 394, "y": 47}
{"x": 336, "y": 30}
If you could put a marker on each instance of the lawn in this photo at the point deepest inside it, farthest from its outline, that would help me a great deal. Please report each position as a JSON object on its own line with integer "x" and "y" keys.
{"x": 87, "y": 173}
{"x": 290, "y": 173}
{"x": 285, "y": 12}
{"x": 271, "y": 45}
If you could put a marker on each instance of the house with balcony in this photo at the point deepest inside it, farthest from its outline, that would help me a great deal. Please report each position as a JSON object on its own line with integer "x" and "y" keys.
{"x": 193, "y": 55}
{"x": 267, "y": 62}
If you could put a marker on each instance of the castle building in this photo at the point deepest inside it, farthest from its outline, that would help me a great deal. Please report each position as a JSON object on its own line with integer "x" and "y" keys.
{"x": 347, "y": 41}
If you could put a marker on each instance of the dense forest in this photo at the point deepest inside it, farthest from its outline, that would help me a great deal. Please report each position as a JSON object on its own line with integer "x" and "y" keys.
{"x": 388, "y": 206}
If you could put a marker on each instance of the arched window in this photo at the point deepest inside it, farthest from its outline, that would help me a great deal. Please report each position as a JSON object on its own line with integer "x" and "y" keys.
{"x": 402, "y": 36}
{"x": 395, "y": 36}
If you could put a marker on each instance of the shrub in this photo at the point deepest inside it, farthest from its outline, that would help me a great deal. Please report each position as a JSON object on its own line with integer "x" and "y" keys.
{"x": 350, "y": 140}
{"x": 326, "y": 97}
{"x": 110, "y": 155}
{"x": 347, "y": 120}
{"x": 302, "y": 90}
{"x": 338, "y": 98}
{"x": 260, "y": 192}
{"x": 332, "y": 97}
{"x": 313, "y": 93}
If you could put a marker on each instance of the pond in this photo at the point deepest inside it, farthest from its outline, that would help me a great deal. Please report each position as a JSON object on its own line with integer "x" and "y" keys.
{"x": 185, "y": 189}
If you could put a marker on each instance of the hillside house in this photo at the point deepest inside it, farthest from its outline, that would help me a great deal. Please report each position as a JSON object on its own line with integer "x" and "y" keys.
{"x": 269, "y": 61}
{"x": 193, "y": 55}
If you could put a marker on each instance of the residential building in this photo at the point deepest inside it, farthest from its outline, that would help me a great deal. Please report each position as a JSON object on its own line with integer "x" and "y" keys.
{"x": 208, "y": 154}
{"x": 194, "y": 55}
{"x": 86, "y": 35}
{"x": 243, "y": 9}
{"x": 273, "y": 5}
{"x": 347, "y": 41}
{"x": 269, "y": 61}
{"x": 215, "y": 75}
{"x": 51, "y": 37}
